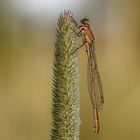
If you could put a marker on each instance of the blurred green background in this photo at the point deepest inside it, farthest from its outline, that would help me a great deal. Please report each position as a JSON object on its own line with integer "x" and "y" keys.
{"x": 27, "y": 36}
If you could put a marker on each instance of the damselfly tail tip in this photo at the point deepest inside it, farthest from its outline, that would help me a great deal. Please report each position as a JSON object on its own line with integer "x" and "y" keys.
{"x": 96, "y": 130}
{"x": 96, "y": 126}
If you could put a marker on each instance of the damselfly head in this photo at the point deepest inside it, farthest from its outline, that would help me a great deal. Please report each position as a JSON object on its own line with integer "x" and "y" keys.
{"x": 84, "y": 20}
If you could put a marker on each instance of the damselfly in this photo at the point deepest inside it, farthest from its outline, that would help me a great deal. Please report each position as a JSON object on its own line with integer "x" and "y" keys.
{"x": 94, "y": 81}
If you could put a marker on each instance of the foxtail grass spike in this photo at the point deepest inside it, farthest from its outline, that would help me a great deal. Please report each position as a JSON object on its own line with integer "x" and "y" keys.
{"x": 65, "y": 96}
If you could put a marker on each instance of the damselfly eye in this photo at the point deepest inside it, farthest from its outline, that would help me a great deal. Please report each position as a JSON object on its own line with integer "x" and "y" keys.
{"x": 84, "y": 20}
